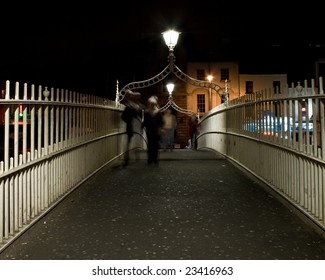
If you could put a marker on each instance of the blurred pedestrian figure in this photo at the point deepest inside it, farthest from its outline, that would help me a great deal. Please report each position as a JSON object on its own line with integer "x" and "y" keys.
{"x": 132, "y": 110}
{"x": 193, "y": 124}
{"x": 170, "y": 126}
{"x": 153, "y": 123}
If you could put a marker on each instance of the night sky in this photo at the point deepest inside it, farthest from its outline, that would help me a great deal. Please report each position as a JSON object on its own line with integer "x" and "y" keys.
{"x": 87, "y": 47}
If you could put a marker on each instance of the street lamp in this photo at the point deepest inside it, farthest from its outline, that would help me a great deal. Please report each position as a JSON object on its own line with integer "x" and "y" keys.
{"x": 210, "y": 77}
{"x": 170, "y": 88}
{"x": 171, "y": 38}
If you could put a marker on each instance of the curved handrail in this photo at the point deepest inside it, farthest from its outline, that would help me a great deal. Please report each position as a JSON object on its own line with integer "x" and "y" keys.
{"x": 142, "y": 84}
{"x": 170, "y": 68}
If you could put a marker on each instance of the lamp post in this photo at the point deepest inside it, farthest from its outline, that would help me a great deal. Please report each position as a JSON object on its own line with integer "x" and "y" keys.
{"x": 171, "y": 38}
{"x": 210, "y": 77}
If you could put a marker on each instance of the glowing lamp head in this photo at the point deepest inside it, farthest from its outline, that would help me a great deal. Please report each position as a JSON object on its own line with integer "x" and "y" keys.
{"x": 170, "y": 88}
{"x": 171, "y": 38}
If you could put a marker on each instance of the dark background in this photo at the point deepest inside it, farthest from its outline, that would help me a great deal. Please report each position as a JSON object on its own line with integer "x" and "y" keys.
{"x": 88, "y": 47}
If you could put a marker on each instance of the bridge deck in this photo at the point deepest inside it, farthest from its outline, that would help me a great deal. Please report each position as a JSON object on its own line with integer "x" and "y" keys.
{"x": 194, "y": 205}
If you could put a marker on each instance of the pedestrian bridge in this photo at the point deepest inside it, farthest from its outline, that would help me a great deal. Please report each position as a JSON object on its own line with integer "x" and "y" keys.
{"x": 55, "y": 141}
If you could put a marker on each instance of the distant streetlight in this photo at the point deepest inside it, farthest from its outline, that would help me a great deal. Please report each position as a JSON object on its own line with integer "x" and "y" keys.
{"x": 210, "y": 77}
{"x": 170, "y": 88}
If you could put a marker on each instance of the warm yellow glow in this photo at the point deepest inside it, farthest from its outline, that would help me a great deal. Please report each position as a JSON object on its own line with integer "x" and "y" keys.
{"x": 210, "y": 77}
{"x": 171, "y": 38}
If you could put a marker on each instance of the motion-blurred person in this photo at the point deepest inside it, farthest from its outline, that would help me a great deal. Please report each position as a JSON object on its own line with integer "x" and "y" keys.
{"x": 193, "y": 124}
{"x": 153, "y": 123}
{"x": 133, "y": 109}
{"x": 170, "y": 126}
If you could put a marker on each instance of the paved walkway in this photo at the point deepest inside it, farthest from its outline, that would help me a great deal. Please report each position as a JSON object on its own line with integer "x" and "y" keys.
{"x": 194, "y": 205}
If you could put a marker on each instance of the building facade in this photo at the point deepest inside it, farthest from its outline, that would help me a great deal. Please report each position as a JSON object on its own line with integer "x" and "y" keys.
{"x": 201, "y": 100}
{"x": 226, "y": 74}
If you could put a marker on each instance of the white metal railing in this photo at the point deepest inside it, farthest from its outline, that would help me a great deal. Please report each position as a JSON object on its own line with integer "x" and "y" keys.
{"x": 278, "y": 137}
{"x": 51, "y": 141}
{"x": 54, "y": 140}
